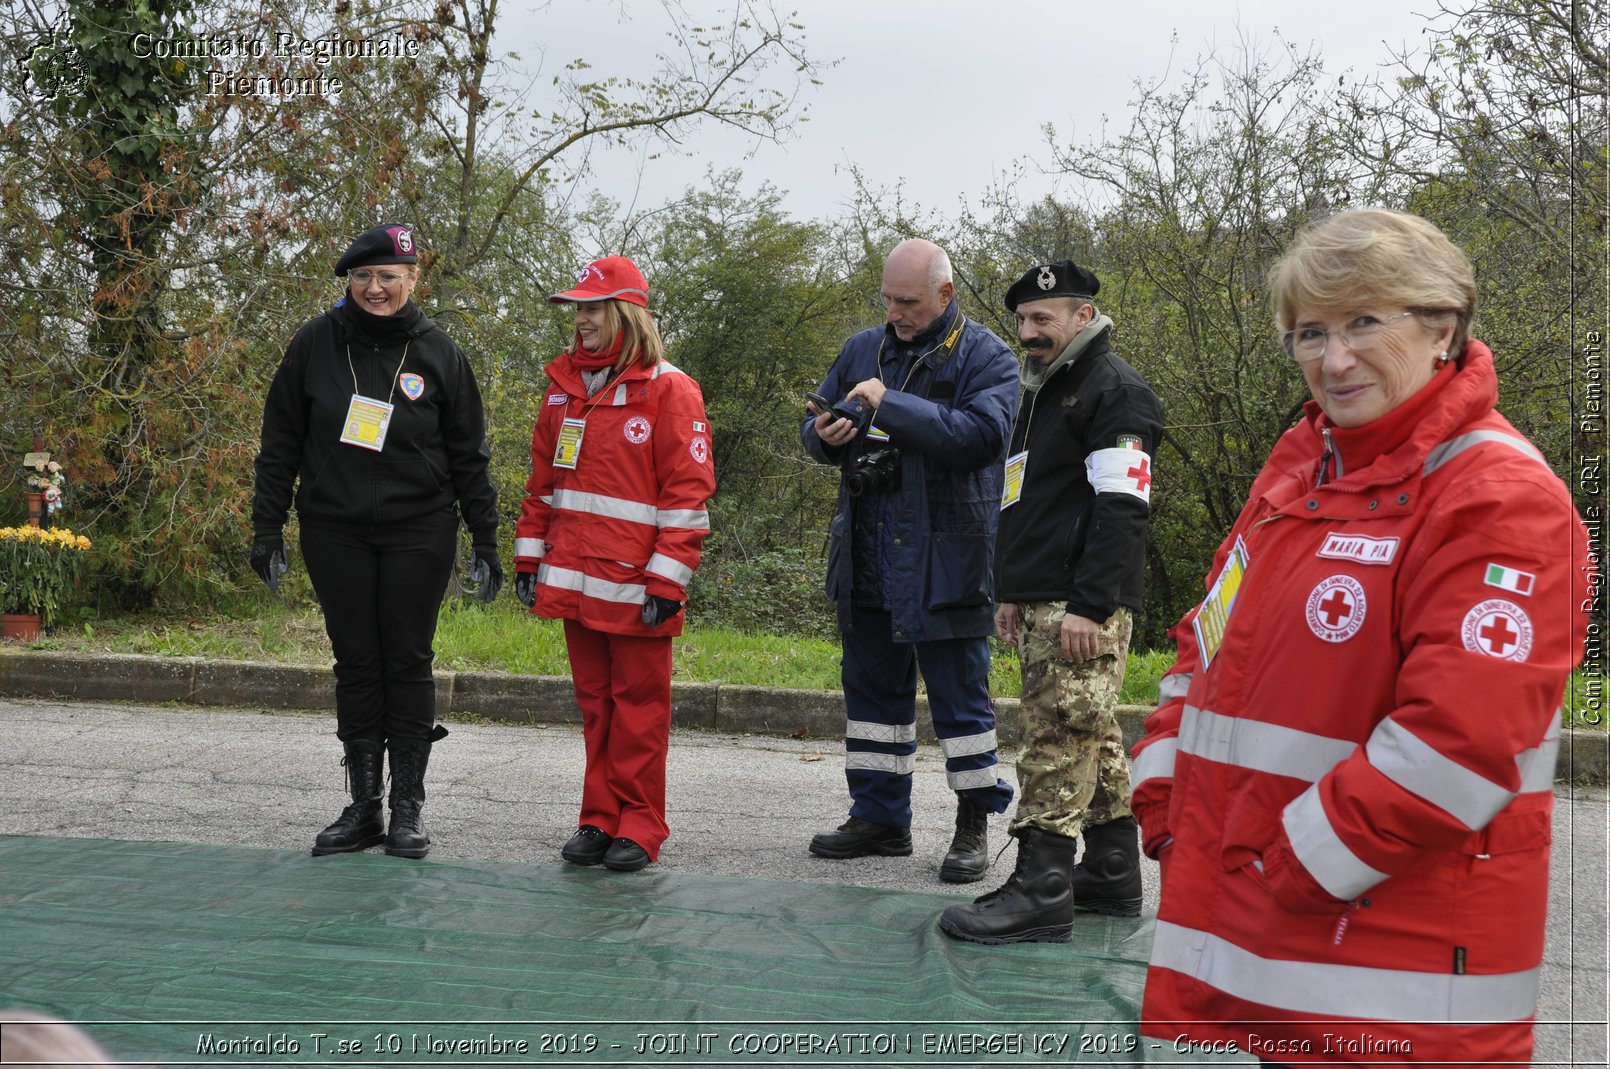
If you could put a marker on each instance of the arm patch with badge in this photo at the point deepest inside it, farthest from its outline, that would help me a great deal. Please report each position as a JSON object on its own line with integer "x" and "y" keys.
{"x": 1126, "y": 468}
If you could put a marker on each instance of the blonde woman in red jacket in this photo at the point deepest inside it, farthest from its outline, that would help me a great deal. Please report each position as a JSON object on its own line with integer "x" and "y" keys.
{"x": 608, "y": 538}
{"x": 1349, "y": 780}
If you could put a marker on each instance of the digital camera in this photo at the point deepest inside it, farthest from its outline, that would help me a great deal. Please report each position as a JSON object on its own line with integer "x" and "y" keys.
{"x": 873, "y": 472}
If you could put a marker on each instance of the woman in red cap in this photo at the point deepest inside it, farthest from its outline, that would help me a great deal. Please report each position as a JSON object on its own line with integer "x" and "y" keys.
{"x": 608, "y": 538}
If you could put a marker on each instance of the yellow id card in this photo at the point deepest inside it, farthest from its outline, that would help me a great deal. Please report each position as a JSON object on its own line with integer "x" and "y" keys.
{"x": 1214, "y": 615}
{"x": 1016, "y": 465}
{"x": 567, "y": 450}
{"x": 367, "y": 422}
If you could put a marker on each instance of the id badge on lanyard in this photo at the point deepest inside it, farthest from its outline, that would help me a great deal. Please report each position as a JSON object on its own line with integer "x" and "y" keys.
{"x": 567, "y": 450}
{"x": 1016, "y": 465}
{"x": 367, "y": 421}
{"x": 1214, "y": 615}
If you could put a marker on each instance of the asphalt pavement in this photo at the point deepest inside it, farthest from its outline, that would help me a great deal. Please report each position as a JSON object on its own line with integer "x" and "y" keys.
{"x": 739, "y": 805}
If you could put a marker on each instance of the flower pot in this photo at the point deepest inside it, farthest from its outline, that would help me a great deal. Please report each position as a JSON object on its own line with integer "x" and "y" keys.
{"x": 20, "y": 627}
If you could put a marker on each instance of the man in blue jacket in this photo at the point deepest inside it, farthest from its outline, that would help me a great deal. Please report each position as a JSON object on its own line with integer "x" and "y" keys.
{"x": 910, "y": 559}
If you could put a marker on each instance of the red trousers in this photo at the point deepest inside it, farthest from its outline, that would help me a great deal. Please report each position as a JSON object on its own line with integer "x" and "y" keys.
{"x": 623, "y": 686}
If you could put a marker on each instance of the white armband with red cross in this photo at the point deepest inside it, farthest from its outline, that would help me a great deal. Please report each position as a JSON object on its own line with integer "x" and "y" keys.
{"x": 1122, "y": 470}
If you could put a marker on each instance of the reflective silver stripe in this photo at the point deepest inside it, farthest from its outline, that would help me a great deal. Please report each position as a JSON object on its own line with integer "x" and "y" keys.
{"x": 1156, "y": 761}
{"x": 546, "y": 499}
{"x": 1337, "y": 991}
{"x": 528, "y": 547}
{"x": 1322, "y": 852}
{"x": 669, "y": 568}
{"x": 1454, "y": 446}
{"x": 894, "y": 734}
{"x": 616, "y": 508}
{"x": 898, "y": 764}
{"x": 1419, "y": 768}
{"x": 619, "y": 397}
{"x": 692, "y": 519}
{"x": 1537, "y": 765}
{"x": 665, "y": 367}
{"x": 589, "y": 587}
{"x": 1272, "y": 748}
{"x": 1173, "y": 686}
{"x": 967, "y": 745}
{"x": 967, "y": 781}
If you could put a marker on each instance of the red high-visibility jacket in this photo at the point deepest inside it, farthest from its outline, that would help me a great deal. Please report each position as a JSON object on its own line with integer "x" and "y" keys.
{"x": 630, "y": 518}
{"x": 1351, "y": 799}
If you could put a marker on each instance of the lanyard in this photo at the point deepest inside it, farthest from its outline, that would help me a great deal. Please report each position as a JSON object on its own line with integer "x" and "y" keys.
{"x": 393, "y": 392}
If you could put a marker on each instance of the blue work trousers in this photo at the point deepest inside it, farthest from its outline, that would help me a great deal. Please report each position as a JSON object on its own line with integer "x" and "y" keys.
{"x": 880, "y": 704}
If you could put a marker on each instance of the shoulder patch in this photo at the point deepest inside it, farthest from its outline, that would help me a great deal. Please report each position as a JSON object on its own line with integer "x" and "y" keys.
{"x": 1498, "y": 628}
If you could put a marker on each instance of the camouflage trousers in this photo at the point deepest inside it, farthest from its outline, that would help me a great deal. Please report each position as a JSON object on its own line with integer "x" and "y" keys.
{"x": 1073, "y": 771}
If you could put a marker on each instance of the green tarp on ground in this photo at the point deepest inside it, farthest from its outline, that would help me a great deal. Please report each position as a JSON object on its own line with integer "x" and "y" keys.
{"x": 187, "y": 954}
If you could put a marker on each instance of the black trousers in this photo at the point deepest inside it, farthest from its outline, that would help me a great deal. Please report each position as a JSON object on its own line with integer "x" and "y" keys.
{"x": 380, "y": 588}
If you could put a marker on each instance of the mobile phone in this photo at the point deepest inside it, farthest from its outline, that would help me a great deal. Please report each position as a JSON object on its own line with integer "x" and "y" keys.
{"x": 822, "y": 404}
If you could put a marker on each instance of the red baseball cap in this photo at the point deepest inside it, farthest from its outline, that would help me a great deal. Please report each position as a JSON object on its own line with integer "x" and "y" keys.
{"x": 613, "y": 277}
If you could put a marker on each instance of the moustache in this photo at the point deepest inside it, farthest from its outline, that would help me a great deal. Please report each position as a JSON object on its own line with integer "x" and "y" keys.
{"x": 1034, "y": 344}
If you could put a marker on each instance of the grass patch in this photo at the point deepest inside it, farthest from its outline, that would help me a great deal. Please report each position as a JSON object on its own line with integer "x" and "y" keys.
{"x": 503, "y": 637}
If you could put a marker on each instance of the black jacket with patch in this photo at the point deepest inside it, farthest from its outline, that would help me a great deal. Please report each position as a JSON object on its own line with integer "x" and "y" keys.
{"x": 1062, "y": 541}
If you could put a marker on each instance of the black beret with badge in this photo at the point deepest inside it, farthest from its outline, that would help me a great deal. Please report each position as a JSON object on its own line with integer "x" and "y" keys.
{"x": 1061, "y": 279}
{"x": 388, "y": 243}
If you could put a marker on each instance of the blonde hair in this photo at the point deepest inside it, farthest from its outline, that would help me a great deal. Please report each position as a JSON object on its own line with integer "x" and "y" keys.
{"x": 1377, "y": 256}
{"x": 643, "y": 342}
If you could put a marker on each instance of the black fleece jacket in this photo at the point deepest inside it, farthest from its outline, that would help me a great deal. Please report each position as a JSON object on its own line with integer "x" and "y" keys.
{"x": 435, "y": 453}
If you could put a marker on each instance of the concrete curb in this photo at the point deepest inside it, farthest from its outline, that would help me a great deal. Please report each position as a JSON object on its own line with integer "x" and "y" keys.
{"x": 520, "y": 699}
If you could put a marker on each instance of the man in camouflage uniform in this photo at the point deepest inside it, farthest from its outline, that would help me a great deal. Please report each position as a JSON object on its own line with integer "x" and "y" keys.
{"x": 1069, "y": 570}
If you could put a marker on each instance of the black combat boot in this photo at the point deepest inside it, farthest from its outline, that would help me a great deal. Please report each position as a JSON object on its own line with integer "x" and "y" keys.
{"x": 359, "y": 825}
{"x": 407, "y": 836}
{"x": 1107, "y": 878}
{"x": 969, "y": 848}
{"x": 1034, "y": 905}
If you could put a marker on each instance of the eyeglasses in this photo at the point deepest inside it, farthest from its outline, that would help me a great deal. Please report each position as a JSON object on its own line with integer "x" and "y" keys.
{"x": 1362, "y": 332}
{"x": 387, "y": 279}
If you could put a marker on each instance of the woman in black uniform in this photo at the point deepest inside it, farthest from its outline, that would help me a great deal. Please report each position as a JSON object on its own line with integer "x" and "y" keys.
{"x": 375, "y": 418}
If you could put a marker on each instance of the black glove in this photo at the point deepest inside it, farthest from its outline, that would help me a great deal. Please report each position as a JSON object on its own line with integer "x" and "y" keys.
{"x": 268, "y": 560}
{"x": 487, "y": 573}
{"x": 657, "y": 610}
{"x": 525, "y": 588}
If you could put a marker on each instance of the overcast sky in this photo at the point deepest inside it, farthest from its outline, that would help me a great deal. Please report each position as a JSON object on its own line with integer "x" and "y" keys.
{"x": 944, "y": 94}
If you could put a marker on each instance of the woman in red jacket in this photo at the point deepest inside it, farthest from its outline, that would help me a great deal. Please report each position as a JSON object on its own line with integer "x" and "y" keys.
{"x": 1349, "y": 779}
{"x": 608, "y": 538}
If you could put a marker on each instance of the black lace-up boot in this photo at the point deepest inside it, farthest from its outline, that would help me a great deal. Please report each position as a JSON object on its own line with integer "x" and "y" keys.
{"x": 409, "y": 757}
{"x": 968, "y": 858}
{"x": 1107, "y": 878}
{"x": 359, "y": 826}
{"x": 1034, "y": 905}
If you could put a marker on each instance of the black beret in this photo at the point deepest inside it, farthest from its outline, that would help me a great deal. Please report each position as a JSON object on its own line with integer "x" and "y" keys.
{"x": 388, "y": 243}
{"x": 1061, "y": 279}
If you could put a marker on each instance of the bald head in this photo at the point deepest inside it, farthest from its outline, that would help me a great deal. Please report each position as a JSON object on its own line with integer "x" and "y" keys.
{"x": 917, "y": 286}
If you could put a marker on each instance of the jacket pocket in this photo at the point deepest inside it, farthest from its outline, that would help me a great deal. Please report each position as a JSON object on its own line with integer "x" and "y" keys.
{"x": 959, "y": 574}
{"x": 1074, "y": 541}
{"x": 837, "y": 548}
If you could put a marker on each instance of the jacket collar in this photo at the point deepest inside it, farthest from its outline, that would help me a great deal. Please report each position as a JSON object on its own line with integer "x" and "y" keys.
{"x": 930, "y": 337}
{"x": 564, "y": 373}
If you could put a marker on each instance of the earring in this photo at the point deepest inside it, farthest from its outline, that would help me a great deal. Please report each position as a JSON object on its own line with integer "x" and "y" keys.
{"x": 1442, "y": 358}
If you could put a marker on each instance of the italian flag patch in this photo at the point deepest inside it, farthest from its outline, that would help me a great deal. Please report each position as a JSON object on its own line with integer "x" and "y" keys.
{"x": 1510, "y": 579}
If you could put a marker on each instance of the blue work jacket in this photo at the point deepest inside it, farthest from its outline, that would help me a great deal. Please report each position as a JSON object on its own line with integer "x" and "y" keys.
{"x": 950, "y": 410}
